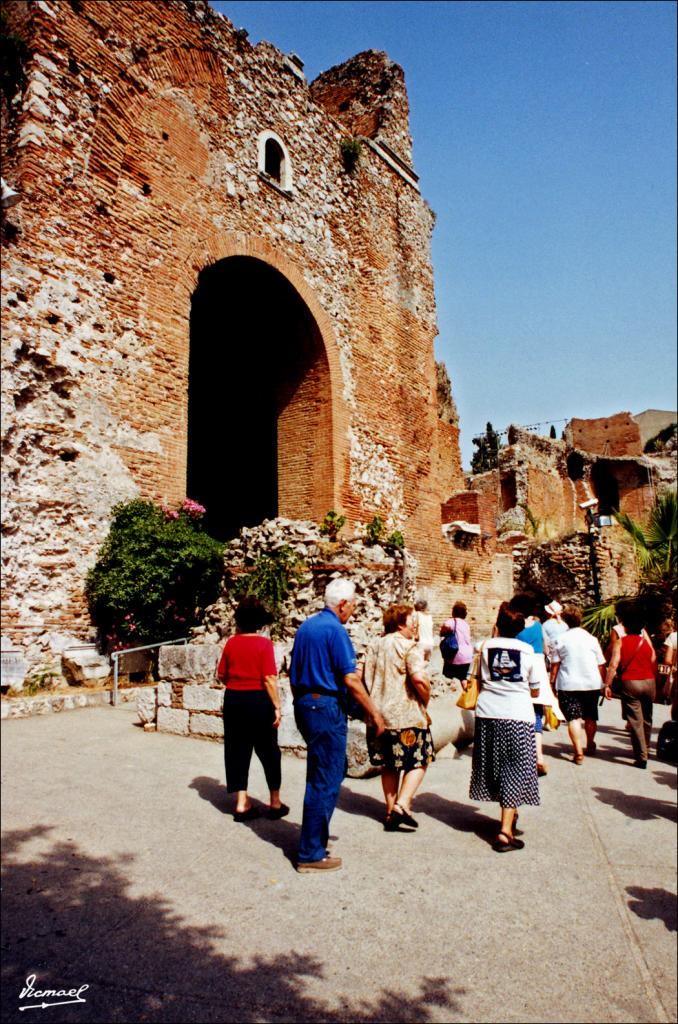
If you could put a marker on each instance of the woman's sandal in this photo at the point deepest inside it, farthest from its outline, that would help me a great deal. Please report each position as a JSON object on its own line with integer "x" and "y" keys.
{"x": 405, "y": 817}
{"x": 517, "y": 831}
{"x": 273, "y": 813}
{"x": 249, "y": 815}
{"x": 499, "y": 846}
{"x": 578, "y": 758}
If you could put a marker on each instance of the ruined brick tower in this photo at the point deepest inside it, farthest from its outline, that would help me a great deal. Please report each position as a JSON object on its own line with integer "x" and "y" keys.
{"x": 201, "y": 298}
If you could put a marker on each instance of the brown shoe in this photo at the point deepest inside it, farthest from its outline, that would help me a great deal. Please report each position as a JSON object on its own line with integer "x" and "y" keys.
{"x": 326, "y": 864}
{"x": 542, "y": 769}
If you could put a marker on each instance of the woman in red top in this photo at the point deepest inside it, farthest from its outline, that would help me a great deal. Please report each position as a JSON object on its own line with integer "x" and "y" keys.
{"x": 636, "y": 659}
{"x": 251, "y": 709}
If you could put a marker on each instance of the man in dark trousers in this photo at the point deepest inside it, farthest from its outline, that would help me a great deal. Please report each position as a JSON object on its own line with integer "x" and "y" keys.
{"x": 323, "y": 674}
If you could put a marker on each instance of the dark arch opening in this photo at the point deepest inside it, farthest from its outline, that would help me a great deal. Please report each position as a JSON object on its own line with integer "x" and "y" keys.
{"x": 273, "y": 159}
{"x": 605, "y": 488}
{"x": 575, "y": 466}
{"x": 259, "y": 409}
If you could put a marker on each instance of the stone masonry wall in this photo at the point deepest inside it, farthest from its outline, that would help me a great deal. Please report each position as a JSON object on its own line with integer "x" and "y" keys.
{"x": 562, "y": 568}
{"x": 135, "y": 144}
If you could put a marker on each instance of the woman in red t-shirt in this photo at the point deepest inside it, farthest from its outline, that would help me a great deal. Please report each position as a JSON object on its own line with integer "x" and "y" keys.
{"x": 251, "y": 709}
{"x": 636, "y": 659}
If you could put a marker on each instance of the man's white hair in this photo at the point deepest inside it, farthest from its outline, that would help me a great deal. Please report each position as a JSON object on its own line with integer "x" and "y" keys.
{"x": 337, "y": 591}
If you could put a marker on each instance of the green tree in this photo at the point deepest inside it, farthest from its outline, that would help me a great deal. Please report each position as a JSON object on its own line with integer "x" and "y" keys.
{"x": 488, "y": 445}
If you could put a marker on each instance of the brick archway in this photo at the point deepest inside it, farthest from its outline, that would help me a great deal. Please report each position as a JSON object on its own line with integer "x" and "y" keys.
{"x": 262, "y": 393}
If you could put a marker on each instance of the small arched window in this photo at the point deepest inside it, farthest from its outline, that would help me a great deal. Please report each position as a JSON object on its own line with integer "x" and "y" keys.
{"x": 274, "y": 160}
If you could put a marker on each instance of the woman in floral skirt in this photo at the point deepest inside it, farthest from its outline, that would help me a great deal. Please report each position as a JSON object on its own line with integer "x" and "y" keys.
{"x": 395, "y": 677}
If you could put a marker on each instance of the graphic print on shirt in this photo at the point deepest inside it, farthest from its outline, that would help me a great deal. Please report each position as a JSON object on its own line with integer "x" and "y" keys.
{"x": 504, "y": 664}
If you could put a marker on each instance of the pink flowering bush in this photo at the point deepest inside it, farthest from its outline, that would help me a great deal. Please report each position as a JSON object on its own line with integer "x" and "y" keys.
{"x": 155, "y": 572}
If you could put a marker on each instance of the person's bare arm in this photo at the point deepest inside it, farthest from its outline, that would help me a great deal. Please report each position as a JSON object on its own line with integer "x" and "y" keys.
{"x": 613, "y": 665}
{"x": 422, "y": 687}
{"x": 355, "y": 687}
{"x": 553, "y": 674}
{"x": 271, "y": 684}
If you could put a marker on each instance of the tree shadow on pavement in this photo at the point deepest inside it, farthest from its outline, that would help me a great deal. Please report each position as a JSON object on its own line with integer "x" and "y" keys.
{"x": 653, "y": 903}
{"x": 642, "y": 808}
{"x": 281, "y": 833}
{"x": 70, "y": 920}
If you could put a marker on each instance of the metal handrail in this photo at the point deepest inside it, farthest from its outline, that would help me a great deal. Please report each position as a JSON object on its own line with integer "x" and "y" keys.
{"x": 131, "y": 650}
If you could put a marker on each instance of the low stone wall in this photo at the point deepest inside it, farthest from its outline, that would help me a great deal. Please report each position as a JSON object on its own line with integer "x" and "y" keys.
{"x": 24, "y": 707}
{"x": 188, "y": 701}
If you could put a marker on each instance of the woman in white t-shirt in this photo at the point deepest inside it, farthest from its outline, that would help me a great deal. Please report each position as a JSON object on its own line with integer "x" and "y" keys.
{"x": 504, "y": 752}
{"x": 578, "y": 672}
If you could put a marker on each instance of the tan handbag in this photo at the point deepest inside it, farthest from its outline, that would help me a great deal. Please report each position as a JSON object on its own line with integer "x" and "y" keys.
{"x": 469, "y": 697}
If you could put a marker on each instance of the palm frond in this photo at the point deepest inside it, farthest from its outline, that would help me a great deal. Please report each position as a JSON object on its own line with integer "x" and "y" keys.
{"x": 600, "y": 618}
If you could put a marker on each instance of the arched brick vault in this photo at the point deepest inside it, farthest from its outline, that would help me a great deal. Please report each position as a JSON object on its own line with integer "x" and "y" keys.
{"x": 218, "y": 246}
{"x": 186, "y": 68}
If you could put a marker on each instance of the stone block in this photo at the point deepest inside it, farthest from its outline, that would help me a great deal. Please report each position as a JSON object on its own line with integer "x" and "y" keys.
{"x": 207, "y": 725}
{"x": 85, "y": 666}
{"x": 14, "y": 668}
{"x": 164, "y": 695}
{"x": 192, "y": 663}
{"x": 173, "y": 720}
{"x": 289, "y": 737}
{"x": 203, "y": 698}
{"x": 147, "y": 705}
{"x": 449, "y": 724}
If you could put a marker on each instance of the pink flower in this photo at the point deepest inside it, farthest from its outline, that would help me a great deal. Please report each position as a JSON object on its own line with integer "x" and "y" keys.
{"x": 192, "y": 508}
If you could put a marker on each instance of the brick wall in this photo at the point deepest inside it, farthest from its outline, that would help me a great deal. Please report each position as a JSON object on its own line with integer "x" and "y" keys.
{"x": 135, "y": 145}
{"x": 608, "y": 435}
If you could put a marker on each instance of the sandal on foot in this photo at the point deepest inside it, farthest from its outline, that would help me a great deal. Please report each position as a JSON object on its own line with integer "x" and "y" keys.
{"x": 277, "y": 812}
{"x": 591, "y": 749}
{"x": 517, "y": 831}
{"x": 542, "y": 769}
{"x": 249, "y": 815}
{"x": 396, "y": 823}
{"x": 578, "y": 758}
{"x": 501, "y": 846}
{"x": 405, "y": 817}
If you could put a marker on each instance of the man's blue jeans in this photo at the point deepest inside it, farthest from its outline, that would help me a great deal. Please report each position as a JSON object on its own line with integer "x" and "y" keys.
{"x": 322, "y": 722}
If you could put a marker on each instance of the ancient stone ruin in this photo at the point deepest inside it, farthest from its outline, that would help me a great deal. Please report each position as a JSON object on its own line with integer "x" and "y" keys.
{"x": 201, "y": 299}
{"x": 217, "y": 284}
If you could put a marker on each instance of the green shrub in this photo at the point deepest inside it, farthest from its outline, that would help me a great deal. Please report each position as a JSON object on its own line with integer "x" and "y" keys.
{"x": 272, "y": 578}
{"x": 351, "y": 150}
{"x": 155, "y": 571}
{"x": 395, "y": 540}
{"x": 374, "y": 531}
{"x": 332, "y": 524}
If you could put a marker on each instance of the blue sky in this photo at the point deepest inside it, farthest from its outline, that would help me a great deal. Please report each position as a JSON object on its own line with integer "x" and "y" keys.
{"x": 545, "y": 141}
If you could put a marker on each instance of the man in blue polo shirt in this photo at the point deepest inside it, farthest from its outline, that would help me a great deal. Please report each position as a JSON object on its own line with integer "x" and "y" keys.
{"x": 322, "y": 674}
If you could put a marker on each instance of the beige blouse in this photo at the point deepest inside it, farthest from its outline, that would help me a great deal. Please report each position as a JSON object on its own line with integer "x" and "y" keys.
{"x": 387, "y": 663}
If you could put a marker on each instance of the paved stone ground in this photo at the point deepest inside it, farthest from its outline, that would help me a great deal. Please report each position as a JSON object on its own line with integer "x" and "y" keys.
{"x": 124, "y": 871}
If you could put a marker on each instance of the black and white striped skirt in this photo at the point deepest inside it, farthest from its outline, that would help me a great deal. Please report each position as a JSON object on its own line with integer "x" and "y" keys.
{"x": 504, "y": 762}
